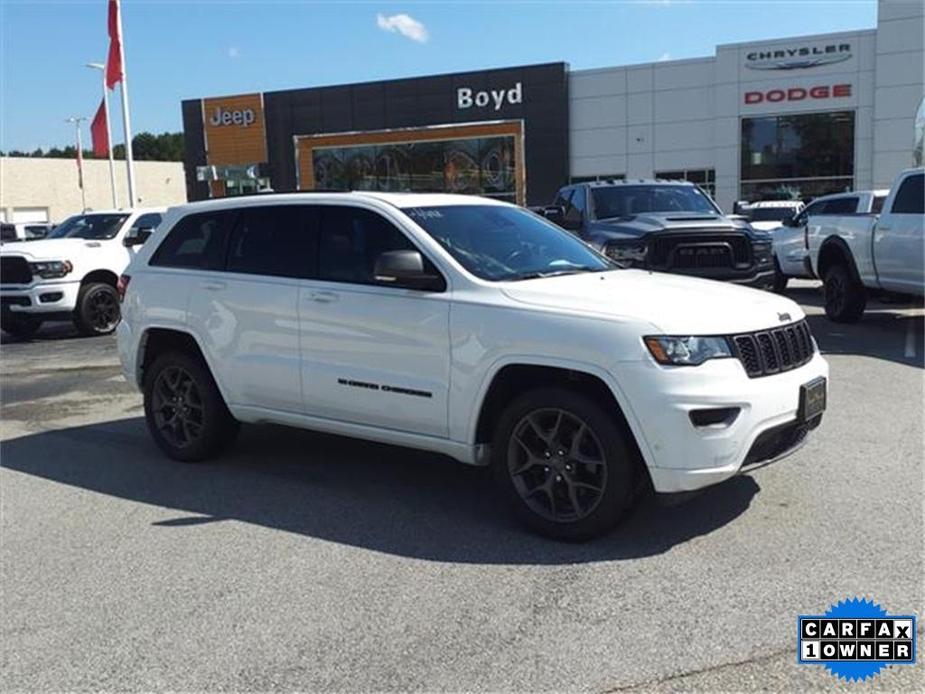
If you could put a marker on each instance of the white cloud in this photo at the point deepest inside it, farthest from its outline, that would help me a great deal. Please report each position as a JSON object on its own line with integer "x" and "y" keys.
{"x": 405, "y": 25}
{"x": 233, "y": 52}
{"x": 664, "y": 56}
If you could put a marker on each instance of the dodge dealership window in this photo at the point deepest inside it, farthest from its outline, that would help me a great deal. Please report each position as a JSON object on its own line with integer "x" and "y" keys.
{"x": 806, "y": 155}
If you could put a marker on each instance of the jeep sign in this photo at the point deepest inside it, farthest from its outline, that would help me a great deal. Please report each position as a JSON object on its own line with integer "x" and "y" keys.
{"x": 466, "y": 98}
{"x": 243, "y": 117}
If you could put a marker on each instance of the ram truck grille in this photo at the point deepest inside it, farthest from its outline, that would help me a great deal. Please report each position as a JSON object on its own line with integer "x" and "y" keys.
{"x": 692, "y": 252}
{"x": 14, "y": 270}
{"x": 772, "y": 351}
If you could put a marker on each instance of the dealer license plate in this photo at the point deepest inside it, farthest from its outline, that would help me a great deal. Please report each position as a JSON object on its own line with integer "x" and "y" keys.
{"x": 812, "y": 399}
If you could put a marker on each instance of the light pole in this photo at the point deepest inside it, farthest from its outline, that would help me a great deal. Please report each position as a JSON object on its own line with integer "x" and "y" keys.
{"x": 112, "y": 167}
{"x": 76, "y": 120}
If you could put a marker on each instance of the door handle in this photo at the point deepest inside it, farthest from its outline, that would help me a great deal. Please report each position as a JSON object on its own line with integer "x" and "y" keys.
{"x": 213, "y": 285}
{"x": 323, "y": 297}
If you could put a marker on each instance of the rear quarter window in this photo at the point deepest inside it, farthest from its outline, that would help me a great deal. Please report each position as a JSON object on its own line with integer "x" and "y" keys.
{"x": 196, "y": 241}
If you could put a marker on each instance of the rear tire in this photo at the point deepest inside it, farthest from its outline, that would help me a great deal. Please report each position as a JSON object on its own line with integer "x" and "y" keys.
{"x": 97, "y": 311}
{"x": 563, "y": 463}
{"x": 845, "y": 297}
{"x": 22, "y": 327}
{"x": 184, "y": 409}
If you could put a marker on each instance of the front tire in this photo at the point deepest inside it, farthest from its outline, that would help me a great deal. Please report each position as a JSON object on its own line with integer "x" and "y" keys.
{"x": 22, "y": 327}
{"x": 563, "y": 463}
{"x": 97, "y": 311}
{"x": 184, "y": 409}
{"x": 780, "y": 279}
{"x": 845, "y": 298}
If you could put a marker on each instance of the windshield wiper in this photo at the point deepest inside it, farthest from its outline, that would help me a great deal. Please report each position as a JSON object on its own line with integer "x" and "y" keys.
{"x": 555, "y": 273}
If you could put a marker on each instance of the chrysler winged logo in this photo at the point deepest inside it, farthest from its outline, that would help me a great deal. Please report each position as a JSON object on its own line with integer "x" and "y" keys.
{"x": 798, "y": 58}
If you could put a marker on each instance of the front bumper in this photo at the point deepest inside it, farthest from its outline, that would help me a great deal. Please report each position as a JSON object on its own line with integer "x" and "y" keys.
{"x": 682, "y": 457}
{"x": 760, "y": 280}
{"x": 40, "y": 298}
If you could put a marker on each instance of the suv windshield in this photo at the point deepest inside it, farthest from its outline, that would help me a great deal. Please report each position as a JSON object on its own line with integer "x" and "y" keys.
{"x": 770, "y": 214}
{"x": 89, "y": 226}
{"x": 630, "y": 200}
{"x": 498, "y": 243}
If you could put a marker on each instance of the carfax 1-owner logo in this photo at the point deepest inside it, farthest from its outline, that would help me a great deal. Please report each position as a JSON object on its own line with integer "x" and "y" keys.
{"x": 855, "y": 639}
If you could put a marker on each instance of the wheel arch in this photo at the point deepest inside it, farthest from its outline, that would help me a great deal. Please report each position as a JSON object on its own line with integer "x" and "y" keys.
{"x": 508, "y": 378}
{"x": 156, "y": 340}
{"x": 101, "y": 276}
{"x": 833, "y": 250}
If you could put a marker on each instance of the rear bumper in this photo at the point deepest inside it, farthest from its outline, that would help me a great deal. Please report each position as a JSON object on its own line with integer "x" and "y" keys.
{"x": 41, "y": 298}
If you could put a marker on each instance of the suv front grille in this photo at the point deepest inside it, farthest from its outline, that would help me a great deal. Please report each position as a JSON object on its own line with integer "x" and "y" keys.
{"x": 14, "y": 270}
{"x": 771, "y": 351}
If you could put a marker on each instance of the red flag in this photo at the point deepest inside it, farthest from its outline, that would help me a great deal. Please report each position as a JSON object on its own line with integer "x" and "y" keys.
{"x": 114, "y": 62}
{"x": 98, "y": 132}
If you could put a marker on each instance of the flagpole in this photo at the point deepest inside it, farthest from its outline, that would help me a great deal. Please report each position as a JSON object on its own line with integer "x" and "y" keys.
{"x": 80, "y": 174}
{"x": 112, "y": 166}
{"x": 126, "y": 120}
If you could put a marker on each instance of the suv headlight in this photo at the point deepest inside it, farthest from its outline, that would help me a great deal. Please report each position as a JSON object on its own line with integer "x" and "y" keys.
{"x": 686, "y": 351}
{"x": 50, "y": 269}
{"x": 626, "y": 252}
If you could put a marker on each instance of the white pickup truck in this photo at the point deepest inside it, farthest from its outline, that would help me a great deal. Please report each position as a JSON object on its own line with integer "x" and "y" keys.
{"x": 789, "y": 239}
{"x": 73, "y": 273}
{"x": 858, "y": 254}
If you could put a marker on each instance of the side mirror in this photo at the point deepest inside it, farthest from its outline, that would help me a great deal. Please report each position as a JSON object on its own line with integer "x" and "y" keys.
{"x": 405, "y": 269}
{"x": 555, "y": 214}
{"x": 136, "y": 237}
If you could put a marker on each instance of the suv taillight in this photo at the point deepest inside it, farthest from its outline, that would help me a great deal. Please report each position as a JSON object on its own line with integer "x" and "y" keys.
{"x": 122, "y": 285}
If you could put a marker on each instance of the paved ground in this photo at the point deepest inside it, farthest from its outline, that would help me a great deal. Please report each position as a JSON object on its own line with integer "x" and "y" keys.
{"x": 311, "y": 562}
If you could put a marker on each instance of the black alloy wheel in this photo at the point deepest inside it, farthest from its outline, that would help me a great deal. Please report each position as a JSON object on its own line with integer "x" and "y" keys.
{"x": 556, "y": 464}
{"x": 98, "y": 311}
{"x": 565, "y": 462}
{"x": 177, "y": 407}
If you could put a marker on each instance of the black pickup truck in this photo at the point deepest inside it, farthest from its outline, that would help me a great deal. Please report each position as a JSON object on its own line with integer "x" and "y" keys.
{"x": 664, "y": 226}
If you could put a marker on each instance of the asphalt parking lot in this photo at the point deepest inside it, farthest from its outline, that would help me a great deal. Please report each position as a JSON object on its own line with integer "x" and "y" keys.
{"x": 311, "y": 562}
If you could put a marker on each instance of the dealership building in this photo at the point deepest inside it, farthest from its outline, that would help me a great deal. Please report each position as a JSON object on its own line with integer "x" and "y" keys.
{"x": 796, "y": 117}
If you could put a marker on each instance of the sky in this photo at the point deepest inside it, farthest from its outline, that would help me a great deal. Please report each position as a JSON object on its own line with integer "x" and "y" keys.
{"x": 177, "y": 50}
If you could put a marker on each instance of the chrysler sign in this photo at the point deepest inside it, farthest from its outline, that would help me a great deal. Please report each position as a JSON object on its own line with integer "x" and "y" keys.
{"x": 798, "y": 58}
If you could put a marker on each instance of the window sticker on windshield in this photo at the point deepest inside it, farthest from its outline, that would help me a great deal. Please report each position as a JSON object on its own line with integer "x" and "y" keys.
{"x": 426, "y": 214}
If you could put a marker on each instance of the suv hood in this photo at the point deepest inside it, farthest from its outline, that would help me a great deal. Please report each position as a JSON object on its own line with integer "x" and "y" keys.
{"x": 51, "y": 249}
{"x": 674, "y": 304}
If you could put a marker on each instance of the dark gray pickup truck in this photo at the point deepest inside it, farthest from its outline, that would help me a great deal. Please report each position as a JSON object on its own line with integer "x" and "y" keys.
{"x": 664, "y": 226}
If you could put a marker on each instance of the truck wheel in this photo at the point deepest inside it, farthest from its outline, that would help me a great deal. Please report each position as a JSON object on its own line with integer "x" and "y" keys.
{"x": 845, "y": 298}
{"x": 97, "y": 311}
{"x": 22, "y": 327}
{"x": 563, "y": 463}
{"x": 780, "y": 279}
{"x": 185, "y": 412}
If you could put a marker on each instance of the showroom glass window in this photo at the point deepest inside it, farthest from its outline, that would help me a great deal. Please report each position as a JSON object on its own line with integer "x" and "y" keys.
{"x": 480, "y": 166}
{"x": 704, "y": 178}
{"x": 801, "y": 155}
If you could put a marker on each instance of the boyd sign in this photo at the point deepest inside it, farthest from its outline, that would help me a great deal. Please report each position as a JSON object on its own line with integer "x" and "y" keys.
{"x": 466, "y": 97}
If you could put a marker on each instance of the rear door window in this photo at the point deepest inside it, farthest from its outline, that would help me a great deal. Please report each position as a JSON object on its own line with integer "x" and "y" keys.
{"x": 841, "y": 206}
{"x": 910, "y": 198}
{"x": 277, "y": 240}
{"x": 196, "y": 241}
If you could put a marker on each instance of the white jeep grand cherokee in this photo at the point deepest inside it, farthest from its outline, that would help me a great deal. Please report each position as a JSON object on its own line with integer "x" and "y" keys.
{"x": 468, "y": 327}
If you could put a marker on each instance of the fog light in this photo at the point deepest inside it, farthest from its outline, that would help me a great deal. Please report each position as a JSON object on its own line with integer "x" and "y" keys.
{"x": 716, "y": 416}
{"x": 50, "y": 297}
